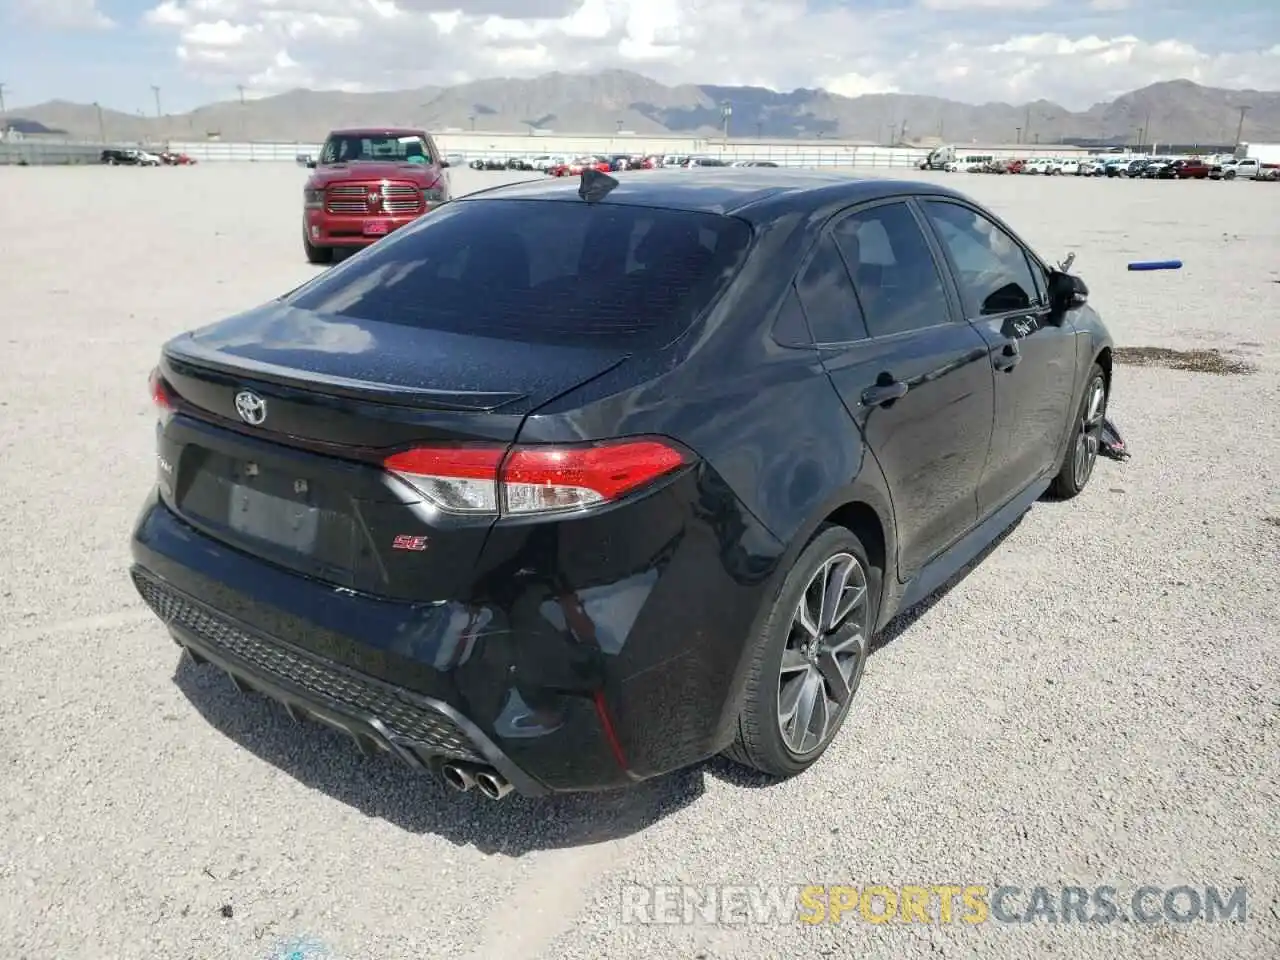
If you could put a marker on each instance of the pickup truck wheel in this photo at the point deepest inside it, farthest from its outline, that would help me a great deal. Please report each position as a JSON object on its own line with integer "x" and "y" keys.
{"x": 1229, "y": 175}
{"x": 317, "y": 254}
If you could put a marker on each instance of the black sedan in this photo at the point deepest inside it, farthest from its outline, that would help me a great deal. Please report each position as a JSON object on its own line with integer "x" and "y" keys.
{"x": 566, "y": 516}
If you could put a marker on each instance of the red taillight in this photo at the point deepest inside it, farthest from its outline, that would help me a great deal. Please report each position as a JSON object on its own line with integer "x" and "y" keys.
{"x": 161, "y": 393}
{"x": 533, "y": 479}
{"x": 457, "y": 479}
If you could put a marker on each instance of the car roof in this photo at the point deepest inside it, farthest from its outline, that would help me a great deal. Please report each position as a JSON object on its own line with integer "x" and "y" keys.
{"x": 754, "y": 193}
{"x": 377, "y": 131}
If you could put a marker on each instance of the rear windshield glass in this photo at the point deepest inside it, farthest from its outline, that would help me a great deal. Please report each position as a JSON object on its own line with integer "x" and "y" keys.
{"x": 348, "y": 149}
{"x": 545, "y": 271}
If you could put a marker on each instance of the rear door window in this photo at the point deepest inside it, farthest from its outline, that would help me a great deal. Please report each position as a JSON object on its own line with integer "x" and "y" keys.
{"x": 826, "y": 293}
{"x": 893, "y": 270}
{"x": 541, "y": 271}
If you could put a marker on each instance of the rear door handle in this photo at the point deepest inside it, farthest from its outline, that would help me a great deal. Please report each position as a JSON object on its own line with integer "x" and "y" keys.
{"x": 884, "y": 392}
{"x": 1007, "y": 358}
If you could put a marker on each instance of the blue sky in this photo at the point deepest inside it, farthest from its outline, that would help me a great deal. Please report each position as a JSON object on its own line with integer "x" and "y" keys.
{"x": 1073, "y": 51}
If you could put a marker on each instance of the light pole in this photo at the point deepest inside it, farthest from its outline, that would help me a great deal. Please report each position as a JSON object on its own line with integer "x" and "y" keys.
{"x": 472, "y": 118}
{"x": 726, "y": 111}
{"x": 156, "y": 91}
{"x": 2, "y": 86}
{"x": 1240, "y": 126}
{"x": 1018, "y": 133}
{"x": 102, "y": 124}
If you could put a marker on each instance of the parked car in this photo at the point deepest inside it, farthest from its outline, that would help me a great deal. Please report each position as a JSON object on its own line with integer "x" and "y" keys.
{"x": 1248, "y": 168}
{"x": 1137, "y": 167}
{"x": 368, "y": 183}
{"x": 114, "y": 157}
{"x": 499, "y": 523}
{"x": 575, "y": 167}
{"x": 172, "y": 159}
{"x": 1189, "y": 168}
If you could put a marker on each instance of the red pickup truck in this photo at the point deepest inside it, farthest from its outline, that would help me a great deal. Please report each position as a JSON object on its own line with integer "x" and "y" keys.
{"x": 366, "y": 184}
{"x": 1190, "y": 169}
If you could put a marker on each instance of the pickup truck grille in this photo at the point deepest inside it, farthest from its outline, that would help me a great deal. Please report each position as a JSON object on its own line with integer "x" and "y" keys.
{"x": 389, "y": 198}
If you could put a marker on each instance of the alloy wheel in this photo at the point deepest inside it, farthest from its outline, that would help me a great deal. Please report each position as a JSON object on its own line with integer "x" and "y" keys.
{"x": 1089, "y": 436}
{"x": 826, "y": 652}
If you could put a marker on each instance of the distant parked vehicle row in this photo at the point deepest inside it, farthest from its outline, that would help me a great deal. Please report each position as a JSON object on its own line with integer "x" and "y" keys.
{"x": 130, "y": 157}
{"x": 1138, "y": 168}
{"x": 565, "y": 165}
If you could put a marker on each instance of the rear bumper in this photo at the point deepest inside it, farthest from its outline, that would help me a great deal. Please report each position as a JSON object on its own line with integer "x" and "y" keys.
{"x": 420, "y": 731}
{"x": 507, "y": 684}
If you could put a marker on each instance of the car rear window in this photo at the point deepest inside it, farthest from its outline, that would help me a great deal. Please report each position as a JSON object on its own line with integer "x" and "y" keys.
{"x": 544, "y": 271}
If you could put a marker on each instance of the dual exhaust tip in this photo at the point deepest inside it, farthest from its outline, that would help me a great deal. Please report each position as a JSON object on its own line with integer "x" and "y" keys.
{"x": 462, "y": 777}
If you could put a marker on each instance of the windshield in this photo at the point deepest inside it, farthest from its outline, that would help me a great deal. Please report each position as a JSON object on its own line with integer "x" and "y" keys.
{"x": 614, "y": 274}
{"x": 351, "y": 148}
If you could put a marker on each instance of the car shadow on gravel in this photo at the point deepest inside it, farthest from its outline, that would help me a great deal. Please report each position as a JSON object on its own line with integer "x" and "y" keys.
{"x": 326, "y": 761}
{"x": 378, "y": 786}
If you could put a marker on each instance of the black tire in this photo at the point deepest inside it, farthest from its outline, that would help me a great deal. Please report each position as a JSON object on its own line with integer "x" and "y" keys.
{"x": 1085, "y": 439}
{"x": 761, "y": 743}
{"x": 1229, "y": 175}
{"x": 317, "y": 255}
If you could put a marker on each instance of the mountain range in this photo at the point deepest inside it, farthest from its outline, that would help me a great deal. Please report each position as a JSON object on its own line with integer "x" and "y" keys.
{"x": 618, "y": 100}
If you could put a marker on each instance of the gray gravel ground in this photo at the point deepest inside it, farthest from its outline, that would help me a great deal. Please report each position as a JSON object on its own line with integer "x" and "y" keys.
{"x": 1096, "y": 703}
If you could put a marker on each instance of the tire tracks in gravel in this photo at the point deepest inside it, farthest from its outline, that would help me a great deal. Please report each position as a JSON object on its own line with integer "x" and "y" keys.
{"x": 554, "y": 895}
{"x": 120, "y": 618}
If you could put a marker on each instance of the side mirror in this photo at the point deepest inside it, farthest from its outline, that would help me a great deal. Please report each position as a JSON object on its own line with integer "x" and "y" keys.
{"x": 311, "y": 164}
{"x": 1067, "y": 291}
{"x": 444, "y": 164}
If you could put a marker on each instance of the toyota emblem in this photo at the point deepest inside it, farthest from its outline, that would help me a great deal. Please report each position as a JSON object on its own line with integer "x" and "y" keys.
{"x": 251, "y": 407}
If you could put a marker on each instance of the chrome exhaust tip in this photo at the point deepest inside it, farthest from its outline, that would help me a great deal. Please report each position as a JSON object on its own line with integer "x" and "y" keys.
{"x": 460, "y": 778}
{"x": 492, "y": 784}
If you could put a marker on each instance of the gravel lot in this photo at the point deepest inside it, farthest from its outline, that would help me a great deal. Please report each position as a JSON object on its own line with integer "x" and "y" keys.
{"x": 1098, "y": 702}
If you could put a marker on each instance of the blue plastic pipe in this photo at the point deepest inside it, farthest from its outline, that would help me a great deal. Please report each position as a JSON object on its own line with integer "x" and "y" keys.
{"x": 1156, "y": 265}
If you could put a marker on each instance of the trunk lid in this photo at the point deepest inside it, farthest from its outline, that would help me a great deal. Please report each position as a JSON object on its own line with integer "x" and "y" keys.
{"x": 302, "y": 485}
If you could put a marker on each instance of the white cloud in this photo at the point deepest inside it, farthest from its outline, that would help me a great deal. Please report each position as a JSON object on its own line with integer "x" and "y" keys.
{"x": 986, "y": 5}
{"x": 1006, "y": 50}
{"x": 62, "y": 14}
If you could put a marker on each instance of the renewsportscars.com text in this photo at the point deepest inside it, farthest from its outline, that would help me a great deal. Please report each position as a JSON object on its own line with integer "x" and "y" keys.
{"x": 939, "y": 903}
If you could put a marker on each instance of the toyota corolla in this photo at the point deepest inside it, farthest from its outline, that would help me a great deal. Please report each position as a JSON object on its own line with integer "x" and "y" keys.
{"x": 558, "y": 516}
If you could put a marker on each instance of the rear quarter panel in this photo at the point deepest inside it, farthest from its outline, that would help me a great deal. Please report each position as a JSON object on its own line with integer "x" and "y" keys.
{"x": 765, "y": 417}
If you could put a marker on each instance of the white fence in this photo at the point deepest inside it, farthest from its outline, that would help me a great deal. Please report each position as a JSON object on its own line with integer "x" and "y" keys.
{"x": 45, "y": 152}
{"x": 469, "y": 147}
